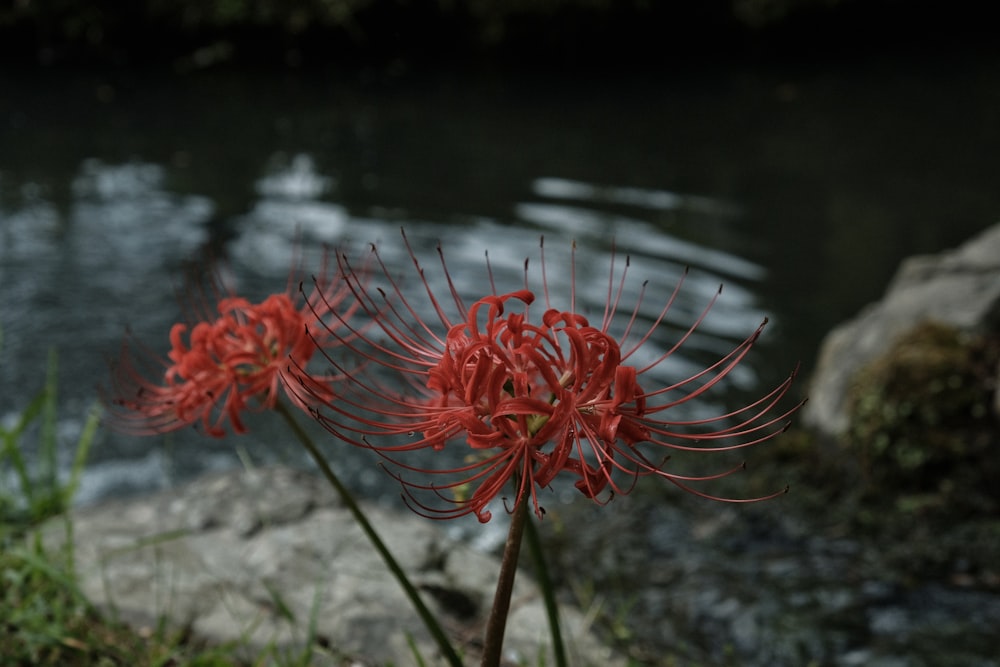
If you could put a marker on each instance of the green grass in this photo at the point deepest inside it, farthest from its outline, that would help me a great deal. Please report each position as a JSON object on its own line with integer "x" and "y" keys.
{"x": 44, "y": 619}
{"x": 38, "y": 493}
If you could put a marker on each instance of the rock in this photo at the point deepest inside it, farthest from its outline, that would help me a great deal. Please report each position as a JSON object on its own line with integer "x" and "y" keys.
{"x": 958, "y": 288}
{"x": 255, "y": 557}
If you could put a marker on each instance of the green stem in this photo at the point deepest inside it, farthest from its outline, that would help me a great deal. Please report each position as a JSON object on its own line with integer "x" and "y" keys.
{"x": 426, "y": 616}
{"x": 548, "y": 592}
{"x": 497, "y": 623}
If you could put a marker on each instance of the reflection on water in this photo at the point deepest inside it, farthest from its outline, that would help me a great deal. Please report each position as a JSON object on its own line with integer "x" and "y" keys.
{"x": 118, "y": 262}
{"x": 101, "y": 217}
{"x": 644, "y": 238}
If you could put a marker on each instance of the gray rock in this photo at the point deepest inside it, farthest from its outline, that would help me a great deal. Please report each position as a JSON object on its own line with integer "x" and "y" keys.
{"x": 256, "y": 557}
{"x": 960, "y": 288}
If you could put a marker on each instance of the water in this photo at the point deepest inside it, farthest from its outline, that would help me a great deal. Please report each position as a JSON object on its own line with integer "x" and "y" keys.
{"x": 799, "y": 188}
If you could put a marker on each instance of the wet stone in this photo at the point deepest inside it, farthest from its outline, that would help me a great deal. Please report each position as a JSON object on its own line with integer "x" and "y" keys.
{"x": 230, "y": 555}
{"x": 959, "y": 288}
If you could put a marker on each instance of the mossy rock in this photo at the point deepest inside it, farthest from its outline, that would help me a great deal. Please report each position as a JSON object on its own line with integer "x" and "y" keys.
{"x": 922, "y": 426}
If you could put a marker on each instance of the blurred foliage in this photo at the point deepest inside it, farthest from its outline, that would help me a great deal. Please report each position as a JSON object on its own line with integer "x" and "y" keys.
{"x": 922, "y": 426}
{"x": 759, "y": 13}
{"x": 241, "y": 30}
{"x": 205, "y": 33}
{"x": 291, "y": 17}
{"x": 195, "y": 34}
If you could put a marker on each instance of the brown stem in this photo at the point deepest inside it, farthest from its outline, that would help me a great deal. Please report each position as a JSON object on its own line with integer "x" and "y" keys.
{"x": 497, "y": 623}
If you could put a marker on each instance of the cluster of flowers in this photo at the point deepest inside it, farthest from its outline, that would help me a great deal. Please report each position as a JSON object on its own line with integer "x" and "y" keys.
{"x": 528, "y": 390}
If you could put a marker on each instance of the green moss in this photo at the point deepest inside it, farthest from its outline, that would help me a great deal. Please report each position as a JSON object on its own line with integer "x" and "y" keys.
{"x": 921, "y": 424}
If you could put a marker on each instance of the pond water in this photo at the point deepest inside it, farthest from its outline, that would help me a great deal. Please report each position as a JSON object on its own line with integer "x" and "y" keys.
{"x": 798, "y": 188}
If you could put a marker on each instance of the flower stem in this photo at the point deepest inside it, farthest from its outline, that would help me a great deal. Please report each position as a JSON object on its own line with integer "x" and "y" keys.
{"x": 548, "y": 592}
{"x": 348, "y": 499}
{"x": 497, "y": 623}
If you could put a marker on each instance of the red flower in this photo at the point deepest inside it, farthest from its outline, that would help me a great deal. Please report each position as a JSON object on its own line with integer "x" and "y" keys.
{"x": 527, "y": 398}
{"x": 229, "y": 362}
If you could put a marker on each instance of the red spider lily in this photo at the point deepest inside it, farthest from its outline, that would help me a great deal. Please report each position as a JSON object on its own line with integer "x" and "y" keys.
{"x": 229, "y": 361}
{"x": 527, "y": 399}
